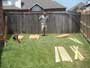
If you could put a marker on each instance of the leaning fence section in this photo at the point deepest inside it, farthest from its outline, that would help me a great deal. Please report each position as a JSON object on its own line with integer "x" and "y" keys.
{"x": 85, "y": 24}
{"x": 28, "y": 22}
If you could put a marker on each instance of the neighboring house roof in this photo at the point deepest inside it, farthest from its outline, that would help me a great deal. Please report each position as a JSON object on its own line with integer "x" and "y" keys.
{"x": 78, "y": 6}
{"x": 45, "y": 4}
{"x": 10, "y": 7}
{"x": 37, "y": 6}
{"x": 86, "y": 7}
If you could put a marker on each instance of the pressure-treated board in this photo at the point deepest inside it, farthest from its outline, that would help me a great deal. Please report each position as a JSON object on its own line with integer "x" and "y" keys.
{"x": 64, "y": 55}
{"x": 57, "y": 58}
{"x": 76, "y": 40}
{"x": 80, "y": 56}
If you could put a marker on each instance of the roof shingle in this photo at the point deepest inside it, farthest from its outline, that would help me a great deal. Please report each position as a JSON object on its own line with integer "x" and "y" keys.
{"x": 46, "y": 4}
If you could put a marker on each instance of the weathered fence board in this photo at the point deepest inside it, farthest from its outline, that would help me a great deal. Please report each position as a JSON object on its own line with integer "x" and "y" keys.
{"x": 26, "y": 22}
{"x": 2, "y": 31}
{"x": 85, "y": 25}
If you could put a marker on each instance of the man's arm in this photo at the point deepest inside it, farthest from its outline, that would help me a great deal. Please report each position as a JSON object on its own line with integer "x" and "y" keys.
{"x": 40, "y": 18}
{"x": 47, "y": 18}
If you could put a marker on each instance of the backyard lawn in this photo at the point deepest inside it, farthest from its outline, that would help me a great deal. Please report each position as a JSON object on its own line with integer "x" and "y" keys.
{"x": 41, "y": 54}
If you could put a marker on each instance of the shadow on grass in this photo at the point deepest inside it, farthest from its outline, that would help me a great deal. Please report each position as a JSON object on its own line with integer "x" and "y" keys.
{"x": 1, "y": 51}
{"x": 9, "y": 36}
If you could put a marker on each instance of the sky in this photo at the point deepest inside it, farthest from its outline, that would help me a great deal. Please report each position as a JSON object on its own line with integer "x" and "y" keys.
{"x": 69, "y": 3}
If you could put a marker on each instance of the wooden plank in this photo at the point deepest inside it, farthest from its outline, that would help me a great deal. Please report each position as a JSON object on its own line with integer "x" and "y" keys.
{"x": 64, "y": 55}
{"x": 76, "y": 40}
{"x": 66, "y": 21}
{"x": 63, "y": 36}
{"x": 59, "y": 24}
{"x": 70, "y": 23}
{"x": 80, "y": 56}
{"x": 57, "y": 58}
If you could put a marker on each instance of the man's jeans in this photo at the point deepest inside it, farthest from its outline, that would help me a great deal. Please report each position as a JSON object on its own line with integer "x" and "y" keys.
{"x": 43, "y": 28}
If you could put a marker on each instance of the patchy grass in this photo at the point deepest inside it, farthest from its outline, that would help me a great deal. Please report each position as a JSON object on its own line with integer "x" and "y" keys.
{"x": 40, "y": 53}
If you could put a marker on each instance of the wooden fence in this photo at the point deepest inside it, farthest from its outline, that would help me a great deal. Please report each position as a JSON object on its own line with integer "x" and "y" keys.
{"x": 58, "y": 22}
{"x": 85, "y": 24}
{"x": 1, "y": 23}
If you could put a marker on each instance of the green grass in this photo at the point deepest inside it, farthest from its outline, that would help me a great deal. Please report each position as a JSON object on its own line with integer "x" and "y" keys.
{"x": 40, "y": 53}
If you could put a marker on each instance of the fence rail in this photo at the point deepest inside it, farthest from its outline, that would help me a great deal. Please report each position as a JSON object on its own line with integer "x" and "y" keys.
{"x": 85, "y": 25}
{"x": 58, "y": 22}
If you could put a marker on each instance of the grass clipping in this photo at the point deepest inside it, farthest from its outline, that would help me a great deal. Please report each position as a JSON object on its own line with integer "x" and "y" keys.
{"x": 63, "y": 36}
{"x": 34, "y": 36}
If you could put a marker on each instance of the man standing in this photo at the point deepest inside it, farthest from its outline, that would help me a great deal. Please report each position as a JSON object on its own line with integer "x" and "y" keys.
{"x": 43, "y": 20}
